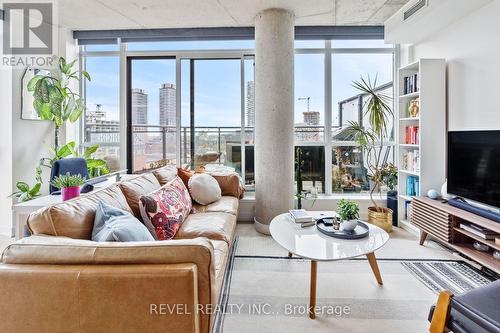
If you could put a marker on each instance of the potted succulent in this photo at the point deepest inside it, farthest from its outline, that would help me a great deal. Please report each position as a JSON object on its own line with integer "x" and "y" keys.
{"x": 69, "y": 185}
{"x": 349, "y": 213}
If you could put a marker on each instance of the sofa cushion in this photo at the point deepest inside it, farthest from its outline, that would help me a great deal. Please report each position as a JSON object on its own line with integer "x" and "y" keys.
{"x": 229, "y": 181}
{"x": 204, "y": 189}
{"x": 164, "y": 210}
{"x": 226, "y": 204}
{"x": 221, "y": 252}
{"x": 75, "y": 218}
{"x": 115, "y": 225}
{"x": 214, "y": 226}
{"x": 134, "y": 188}
{"x": 165, "y": 174}
{"x": 230, "y": 184}
{"x": 185, "y": 175}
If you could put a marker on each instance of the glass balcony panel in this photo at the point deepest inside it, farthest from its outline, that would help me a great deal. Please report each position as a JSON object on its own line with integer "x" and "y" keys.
{"x": 351, "y": 168}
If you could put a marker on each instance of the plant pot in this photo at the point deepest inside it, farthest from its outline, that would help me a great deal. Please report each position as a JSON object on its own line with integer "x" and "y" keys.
{"x": 70, "y": 192}
{"x": 381, "y": 218}
{"x": 349, "y": 225}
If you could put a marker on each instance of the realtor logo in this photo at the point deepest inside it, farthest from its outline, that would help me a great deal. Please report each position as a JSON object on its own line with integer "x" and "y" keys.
{"x": 27, "y": 28}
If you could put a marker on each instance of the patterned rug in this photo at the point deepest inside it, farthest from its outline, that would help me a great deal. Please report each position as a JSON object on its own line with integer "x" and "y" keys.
{"x": 455, "y": 276}
{"x": 259, "y": 291}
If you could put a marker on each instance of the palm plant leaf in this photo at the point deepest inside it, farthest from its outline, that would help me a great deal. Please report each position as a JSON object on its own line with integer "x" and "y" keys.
{"x": 377, "y": 107}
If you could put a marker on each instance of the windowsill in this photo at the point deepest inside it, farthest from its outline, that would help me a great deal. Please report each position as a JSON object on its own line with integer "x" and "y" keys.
{"x": 250, "y": 197}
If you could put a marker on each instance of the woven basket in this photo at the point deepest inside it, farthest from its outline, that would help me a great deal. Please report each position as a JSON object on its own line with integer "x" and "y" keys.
{"x": 382, "y": 219}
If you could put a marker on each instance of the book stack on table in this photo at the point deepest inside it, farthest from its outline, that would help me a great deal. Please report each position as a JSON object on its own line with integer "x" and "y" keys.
{"x": 302, "y": 217}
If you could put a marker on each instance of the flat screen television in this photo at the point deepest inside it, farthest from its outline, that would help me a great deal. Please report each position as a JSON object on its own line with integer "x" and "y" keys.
{"x": 474, "y": 166}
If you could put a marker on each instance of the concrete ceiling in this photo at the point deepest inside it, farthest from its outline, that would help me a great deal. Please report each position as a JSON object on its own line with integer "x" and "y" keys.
{"x": 137, "y": 14}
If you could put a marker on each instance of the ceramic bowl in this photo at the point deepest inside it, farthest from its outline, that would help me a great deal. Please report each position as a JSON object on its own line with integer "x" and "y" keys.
{"x": 349, "y": 225}
{"x": 481, "y": 247}
{"x": 496, "y": 255}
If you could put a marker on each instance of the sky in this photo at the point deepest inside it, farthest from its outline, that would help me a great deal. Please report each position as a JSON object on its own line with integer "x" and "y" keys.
{"x": 217, "y": 82}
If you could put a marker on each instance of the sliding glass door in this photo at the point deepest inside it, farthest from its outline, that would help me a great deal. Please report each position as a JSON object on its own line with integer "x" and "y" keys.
{"x": 205, "y": 128}
{"x": 213, "y": 117}
{"x": 152, "y": 116}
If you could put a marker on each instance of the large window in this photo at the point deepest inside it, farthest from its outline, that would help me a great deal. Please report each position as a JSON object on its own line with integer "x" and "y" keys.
{"x": 213, "y": 123}
{"x": 349, "y": 164}
{"x": 101, "y": 121}
{"x": 152, "y": 111}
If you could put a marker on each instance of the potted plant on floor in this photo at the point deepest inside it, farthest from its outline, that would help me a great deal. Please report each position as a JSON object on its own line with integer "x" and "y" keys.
{"x": 371, "y": 140}
{"x": 69, "y": 185}
{"x": 349, "y": 213}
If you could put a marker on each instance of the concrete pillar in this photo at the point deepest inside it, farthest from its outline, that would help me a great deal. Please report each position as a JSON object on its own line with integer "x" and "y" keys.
{"x": 274, "y": 111}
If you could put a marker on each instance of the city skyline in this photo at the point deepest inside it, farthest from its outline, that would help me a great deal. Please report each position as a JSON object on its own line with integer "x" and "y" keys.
{"x": 218, "y": 82}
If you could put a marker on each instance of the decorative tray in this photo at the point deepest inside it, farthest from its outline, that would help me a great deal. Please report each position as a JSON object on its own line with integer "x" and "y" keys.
{"x": 325, "y": 225}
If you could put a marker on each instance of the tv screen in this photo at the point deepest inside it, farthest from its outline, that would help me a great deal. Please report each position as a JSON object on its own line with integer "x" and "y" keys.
{"x": 474, "y": 166}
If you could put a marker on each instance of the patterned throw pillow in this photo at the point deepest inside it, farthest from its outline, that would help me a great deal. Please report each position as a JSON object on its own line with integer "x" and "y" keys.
{"x": 164, "y": 210}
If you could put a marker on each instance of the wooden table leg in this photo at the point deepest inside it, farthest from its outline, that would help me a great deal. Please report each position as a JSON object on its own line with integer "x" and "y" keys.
{"x": 312, "y": 291}
{"x": 423, "y": 237}
{"x": 373, "y": 264}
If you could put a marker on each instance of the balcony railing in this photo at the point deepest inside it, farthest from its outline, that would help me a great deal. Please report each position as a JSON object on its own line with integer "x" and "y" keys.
{"x": 156, "y": 144}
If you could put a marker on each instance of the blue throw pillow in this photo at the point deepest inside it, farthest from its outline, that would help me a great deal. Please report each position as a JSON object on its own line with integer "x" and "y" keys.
{"x": 112, "y": 224}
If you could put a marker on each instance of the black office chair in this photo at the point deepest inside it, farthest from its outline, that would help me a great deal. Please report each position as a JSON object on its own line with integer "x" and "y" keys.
{"x": 73, "y": 165}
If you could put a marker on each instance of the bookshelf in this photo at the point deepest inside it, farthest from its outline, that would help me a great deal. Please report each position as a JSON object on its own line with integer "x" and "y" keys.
{"x": 421, "y": 149}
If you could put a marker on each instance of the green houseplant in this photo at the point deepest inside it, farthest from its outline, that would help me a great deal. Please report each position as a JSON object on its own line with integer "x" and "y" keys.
{"x": 371, "y": 140}
{"x": 69, "y": 185}
{"x": 390, "y": 176}
{"x": 53, "y": 98}
{"x": 348, "y": 212}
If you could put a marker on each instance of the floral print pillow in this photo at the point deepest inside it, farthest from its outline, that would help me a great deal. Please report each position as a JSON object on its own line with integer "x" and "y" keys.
{"x": 164, "y": 210}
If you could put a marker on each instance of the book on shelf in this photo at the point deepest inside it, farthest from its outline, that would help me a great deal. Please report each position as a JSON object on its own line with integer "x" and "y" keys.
{"x": 301, "y": 216}
{"x": 412, "y": 186}
{"x": 407, "y": 209}
{"x": 411, "y": 161}
{"x": 479, "y": 231}
{"x": 411, "y": 135}
{"x": 410, "y": 84}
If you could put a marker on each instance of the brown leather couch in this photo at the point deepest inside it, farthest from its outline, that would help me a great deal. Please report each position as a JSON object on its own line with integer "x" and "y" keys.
{"x": 58, "y": 280}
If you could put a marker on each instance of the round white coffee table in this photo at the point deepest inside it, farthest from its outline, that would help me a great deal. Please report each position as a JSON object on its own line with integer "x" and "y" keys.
{"x": 311, "y": 244}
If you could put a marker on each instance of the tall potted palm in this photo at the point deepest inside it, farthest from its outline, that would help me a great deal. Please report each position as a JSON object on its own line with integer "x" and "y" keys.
{"x": 371, "y": 139}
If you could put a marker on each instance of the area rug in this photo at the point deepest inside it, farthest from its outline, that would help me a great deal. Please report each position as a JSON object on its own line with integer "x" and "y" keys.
{"x": 457, "y": 277}
{"x": 271, "y": 294}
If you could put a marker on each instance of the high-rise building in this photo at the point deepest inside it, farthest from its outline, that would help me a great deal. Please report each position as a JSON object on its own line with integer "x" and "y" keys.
{"x": 250, "y": 107}
{"x": 139, "y": 107}
{"x": 311, "y": 118}
{"x": 167, "y": 105}
{"x": 104, "y": 132}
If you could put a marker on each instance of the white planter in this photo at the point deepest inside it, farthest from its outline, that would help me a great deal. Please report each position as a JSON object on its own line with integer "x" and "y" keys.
{"x": 349, "y": 225}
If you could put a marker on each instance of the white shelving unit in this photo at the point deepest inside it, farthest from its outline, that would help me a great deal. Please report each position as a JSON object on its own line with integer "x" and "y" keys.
{"x": 431, "y": 122}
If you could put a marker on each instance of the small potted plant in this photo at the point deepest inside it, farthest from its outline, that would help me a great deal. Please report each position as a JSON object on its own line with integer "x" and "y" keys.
{"x": 349, "y": 213}
{"x": 69, "y": 185}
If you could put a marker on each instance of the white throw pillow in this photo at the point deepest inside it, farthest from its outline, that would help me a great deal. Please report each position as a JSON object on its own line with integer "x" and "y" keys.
{"x": 204, "y": 189}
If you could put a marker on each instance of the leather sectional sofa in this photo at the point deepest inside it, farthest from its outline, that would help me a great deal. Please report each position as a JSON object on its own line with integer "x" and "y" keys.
{"x": 58, "y": 280}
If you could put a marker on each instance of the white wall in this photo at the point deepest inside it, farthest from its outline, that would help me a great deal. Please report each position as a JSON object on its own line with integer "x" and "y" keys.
{"x": 471, "y": 47}
{"x": 5, "y": 148}
{"x": 31, "y": 139}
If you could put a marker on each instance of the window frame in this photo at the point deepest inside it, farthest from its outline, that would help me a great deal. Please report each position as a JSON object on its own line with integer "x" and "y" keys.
{"x": 327, "y": 51}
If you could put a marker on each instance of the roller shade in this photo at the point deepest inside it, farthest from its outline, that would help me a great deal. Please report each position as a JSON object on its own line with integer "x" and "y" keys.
{"x": 86, "y": 37}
